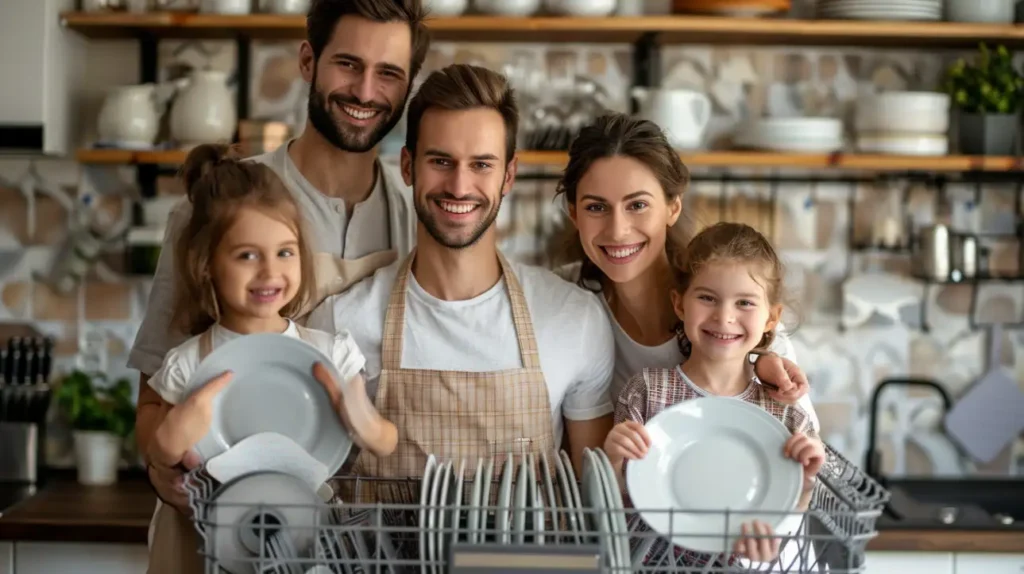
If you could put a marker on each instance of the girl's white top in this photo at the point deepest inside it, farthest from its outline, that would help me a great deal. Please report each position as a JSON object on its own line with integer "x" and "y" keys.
{"x": 171, "y": 380}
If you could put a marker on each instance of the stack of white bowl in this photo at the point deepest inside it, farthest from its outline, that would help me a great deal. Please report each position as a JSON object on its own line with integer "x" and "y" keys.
{"x": 798, "y": 135}
{"x": 903, "y": 123}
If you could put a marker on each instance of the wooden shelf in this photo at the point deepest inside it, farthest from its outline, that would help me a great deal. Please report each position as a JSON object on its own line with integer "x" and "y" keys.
{"x": 666, "y": 29}
{"x": 720, "y": 159}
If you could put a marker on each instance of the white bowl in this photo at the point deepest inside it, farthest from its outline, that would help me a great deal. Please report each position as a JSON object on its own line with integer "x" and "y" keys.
{"x": 904, "y": 144}
{"x": 801, "y": 128}
{"x": 903, "y": 112}
{"x": 447, "y": 8}
{"x": 507, "y": 7}
{"x": 585, "y": 8}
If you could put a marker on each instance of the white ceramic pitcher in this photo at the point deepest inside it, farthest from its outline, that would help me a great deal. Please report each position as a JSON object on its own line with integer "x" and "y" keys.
{"x": 204, "y": 110}
{"x": 683, "y": 114}
{"x": 128, "y": 118}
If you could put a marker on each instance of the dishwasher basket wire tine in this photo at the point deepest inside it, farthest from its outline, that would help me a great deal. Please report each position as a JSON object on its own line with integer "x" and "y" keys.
{"x": 379, "y": 525}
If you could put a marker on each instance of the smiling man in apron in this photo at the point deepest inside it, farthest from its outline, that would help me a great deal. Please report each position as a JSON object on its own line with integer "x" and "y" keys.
{"x": 467, "y": 353}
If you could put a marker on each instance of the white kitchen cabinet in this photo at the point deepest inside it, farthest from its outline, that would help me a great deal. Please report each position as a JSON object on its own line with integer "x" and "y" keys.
{"x": 989, "y": 563}
{"x": 909, "y": 563}
{"x": 79, "y": 558}
{"x": 6, "y": 558}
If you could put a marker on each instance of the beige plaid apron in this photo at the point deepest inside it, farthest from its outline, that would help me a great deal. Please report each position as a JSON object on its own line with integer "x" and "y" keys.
{"x": 174, "y": 548}
{"x": 458, "y": 414}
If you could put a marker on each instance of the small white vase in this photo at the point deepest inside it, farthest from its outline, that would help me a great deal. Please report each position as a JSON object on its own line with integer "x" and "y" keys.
{"x": 204, "y": 110}
{"x": 97, "y": 455}
{"x": 128, "y": 118}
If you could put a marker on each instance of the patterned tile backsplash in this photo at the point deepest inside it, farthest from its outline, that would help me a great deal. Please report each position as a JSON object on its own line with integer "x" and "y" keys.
{"x": 857, "y": 317}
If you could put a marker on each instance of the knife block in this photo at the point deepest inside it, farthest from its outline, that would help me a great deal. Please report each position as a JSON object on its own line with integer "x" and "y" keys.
{"x": 21, "y": 451}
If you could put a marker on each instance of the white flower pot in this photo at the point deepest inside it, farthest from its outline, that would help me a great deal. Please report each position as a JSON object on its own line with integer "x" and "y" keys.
{"x": 97, "y": 455}
{"x": 204, "y": 110}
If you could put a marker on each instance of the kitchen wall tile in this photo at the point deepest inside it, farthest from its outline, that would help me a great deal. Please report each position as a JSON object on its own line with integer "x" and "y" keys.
{"x": 108, "y": 301}
{"x": 15, "y": 298}
{"x": 13, "y": 218}
{"x": 49, "y": 305}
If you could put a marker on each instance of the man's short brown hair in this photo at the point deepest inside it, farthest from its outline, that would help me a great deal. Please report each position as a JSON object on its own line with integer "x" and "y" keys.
{"x": 324, "y": 15}
{"x": 464, "y": 87}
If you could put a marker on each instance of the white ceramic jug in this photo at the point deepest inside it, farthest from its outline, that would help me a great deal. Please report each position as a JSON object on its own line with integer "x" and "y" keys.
{"x": 128, "y": 118}
{"x": 204, "y": 111}
{"x": 682, "y": 114}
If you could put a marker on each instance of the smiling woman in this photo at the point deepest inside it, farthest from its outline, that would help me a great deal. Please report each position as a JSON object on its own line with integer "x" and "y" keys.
{"x": 623, "y": 189}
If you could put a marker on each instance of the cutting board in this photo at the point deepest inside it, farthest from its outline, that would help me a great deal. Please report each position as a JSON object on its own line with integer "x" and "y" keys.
{"x": 990, "y": 415}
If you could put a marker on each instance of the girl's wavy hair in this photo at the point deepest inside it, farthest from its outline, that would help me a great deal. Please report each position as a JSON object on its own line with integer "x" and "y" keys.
{"x": 728, "y": 242}
{"x": 219, "y": 184}
{"x": 621, "y": 135}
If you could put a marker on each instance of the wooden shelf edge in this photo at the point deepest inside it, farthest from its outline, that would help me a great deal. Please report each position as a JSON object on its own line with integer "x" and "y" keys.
{"x": 667, "y": 29}
{"x": 736, "y": 159}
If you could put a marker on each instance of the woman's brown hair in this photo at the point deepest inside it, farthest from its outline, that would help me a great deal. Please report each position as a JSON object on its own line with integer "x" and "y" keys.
{"x": 621, "y": 135}
{"x": 728, "y": 242}
{"x": 219, "y": 184}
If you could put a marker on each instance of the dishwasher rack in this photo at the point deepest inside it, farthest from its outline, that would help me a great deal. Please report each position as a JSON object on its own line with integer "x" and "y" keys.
{"x": 402, "y": 536}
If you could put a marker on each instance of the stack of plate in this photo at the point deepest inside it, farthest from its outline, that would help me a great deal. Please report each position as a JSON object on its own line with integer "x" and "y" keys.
{"x": 800, "y": 135}
{"x": 904, "y": 123}
{"x": 537, "y": 500}
{"x": 708, "y": 455}
{"x": 879, "y": 9}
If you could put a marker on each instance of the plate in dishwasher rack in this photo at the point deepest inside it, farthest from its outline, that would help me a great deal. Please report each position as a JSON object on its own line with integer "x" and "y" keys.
{"x": 272, "y": 390}
{"x": 708, "y": 455}
{"x": 281, "y": 502}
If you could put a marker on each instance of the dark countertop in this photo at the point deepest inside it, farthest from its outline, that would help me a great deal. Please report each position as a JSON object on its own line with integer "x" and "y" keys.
{"x": 65, "y": 511}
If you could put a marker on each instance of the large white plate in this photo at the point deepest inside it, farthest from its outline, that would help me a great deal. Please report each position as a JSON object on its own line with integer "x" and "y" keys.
{"x": 273, "y": 390}
{"x": 713, "y": 454}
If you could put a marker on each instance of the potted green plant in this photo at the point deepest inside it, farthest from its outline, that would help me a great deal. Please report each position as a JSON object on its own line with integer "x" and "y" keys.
{"x": 101, "y": 415}
{"x": 988, "y": 94}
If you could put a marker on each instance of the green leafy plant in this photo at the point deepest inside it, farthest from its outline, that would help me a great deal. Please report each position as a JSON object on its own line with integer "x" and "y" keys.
{"x": 92, "y": 404}
{"x": 990, "y": 85}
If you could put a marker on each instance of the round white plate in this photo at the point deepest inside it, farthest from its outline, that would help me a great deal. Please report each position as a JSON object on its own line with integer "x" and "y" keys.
{"x": 273, "y": 390}
{"x": 519, "y": 502}
{"x": 483, "y": 514}
{"x": 504, "y": 503}
{"x": 614, "y": 496}
{"x": 595, "y": 500}
{"x": 426, "y": 487}
{"x": 580, "y": 522}
{"x": 713, "y": 454}
{"x": 549, "y": 492}
{"x": 283, "y": 497}
{"x": 475, "y": 502}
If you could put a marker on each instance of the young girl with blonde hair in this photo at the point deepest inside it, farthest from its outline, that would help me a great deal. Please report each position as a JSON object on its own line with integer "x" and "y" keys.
{"x": 728, "y": 298}
{"x": 243, "y": 266}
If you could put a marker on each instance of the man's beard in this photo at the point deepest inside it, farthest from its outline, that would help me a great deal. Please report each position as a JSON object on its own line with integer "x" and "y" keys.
{"x": 343, "y": 135}
{"x": 436, "y": 230}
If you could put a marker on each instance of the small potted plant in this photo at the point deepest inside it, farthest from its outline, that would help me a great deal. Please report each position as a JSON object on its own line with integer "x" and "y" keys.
{"x": 101, "y": 415}
{"x": 988, "y": 94}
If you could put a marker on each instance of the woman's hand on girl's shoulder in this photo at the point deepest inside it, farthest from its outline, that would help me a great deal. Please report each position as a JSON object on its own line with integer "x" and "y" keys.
{"x": 787, "y": 383}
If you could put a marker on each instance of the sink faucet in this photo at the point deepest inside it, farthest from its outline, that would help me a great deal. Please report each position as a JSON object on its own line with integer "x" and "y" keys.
{"x": 873, "y": 462}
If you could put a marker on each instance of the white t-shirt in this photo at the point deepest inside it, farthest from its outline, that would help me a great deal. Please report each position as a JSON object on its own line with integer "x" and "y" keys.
{"x": 632, "y": 357}
{"x": 171, "y": 380}
{"x": 574, "y": 337}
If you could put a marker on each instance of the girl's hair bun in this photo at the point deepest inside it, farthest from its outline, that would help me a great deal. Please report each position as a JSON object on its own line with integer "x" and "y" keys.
{"x": 201, "y": 161}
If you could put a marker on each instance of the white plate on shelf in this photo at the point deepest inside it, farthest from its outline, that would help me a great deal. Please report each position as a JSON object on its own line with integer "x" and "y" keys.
{"x": 712, "y": 454}
{"x": 272, "y": 390}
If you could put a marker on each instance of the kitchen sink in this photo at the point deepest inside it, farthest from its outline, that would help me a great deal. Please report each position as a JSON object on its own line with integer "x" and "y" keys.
{"x": 968, "y": 504}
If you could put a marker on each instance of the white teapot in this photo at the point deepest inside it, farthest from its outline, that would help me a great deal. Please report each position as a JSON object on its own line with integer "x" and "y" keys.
{"x": 683, "y": 114}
